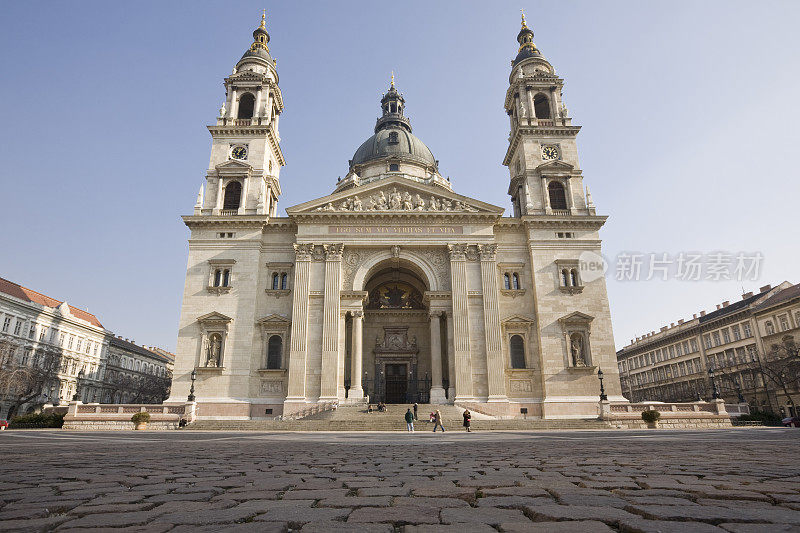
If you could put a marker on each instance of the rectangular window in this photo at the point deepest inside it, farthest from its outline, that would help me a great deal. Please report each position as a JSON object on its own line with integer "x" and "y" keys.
{"x": 17, "y": 327}
{"x": 53, "y": 333}
{"x": 88, "y": 346}
{"x": 679, "y": 349}
{"x": 746, "y": 329}
{"x": 716, "y": 338}
{"x": 78, "y": 346}
{"x": 707, "y": 340}
{"x": 726, "y": 336}
{"x": 69, "y": 343}
{"x": 42, "y": 334}
{"x": 32, "y": 331}
{"x": 693, "y": 342}
{"x": 6, "y": 324}
{"x": 672, "y": 352}
{"x": 783, "y": 322}
{"x": 737, "y": 335}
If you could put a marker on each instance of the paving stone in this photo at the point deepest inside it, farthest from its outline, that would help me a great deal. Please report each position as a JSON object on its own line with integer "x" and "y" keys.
{"x": 531, "y": 492}
{"x": 555, "y": 512}
{"x": 314, "y": 494}
{"x": 760, "y": 528}
{"x": 339, "y": 527}
{"x": 356, "y": 501}
{"x": 437, "y": 503}
{"x": 384, "y": 491}
{"x": 398, "y": 514}
{"x": 576, "y": 526}
{"x": 455, "y": 528}
{"x": 641, "y": 525}
{"x": 481, "y": 515}
{"x": 299, "y": 515}
{"x": 35, "y": 524}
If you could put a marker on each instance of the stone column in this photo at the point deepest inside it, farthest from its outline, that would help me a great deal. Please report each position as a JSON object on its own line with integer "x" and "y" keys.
{"x": 234, "y": 104}
{"x": 495, "y": 365}
{"x": 299, "y": 334}
{"x": 437, "y": 391}
{"x": 451, "y": 360}
{"x": 329, "y": 376}
{"x": 257, "y": 105}
{"x": 356, "y": 391}
{"x": 463, "y": 364}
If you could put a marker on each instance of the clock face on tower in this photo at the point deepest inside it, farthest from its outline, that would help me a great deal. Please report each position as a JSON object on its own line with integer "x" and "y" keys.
{"x": 239, "y": 152}
{"x": 549, "y": 151}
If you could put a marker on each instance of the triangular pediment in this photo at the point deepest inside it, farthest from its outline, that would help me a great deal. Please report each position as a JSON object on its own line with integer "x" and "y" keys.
{"x": 517, "y": 319}
{"x": 555, "y": 164}
{"x": 395, "y": 195}
{"x": 576, "y": 317}
{"x": 214, "y": 317}
{"x": 274, "y": 320}
{"x": 233, "y": 166}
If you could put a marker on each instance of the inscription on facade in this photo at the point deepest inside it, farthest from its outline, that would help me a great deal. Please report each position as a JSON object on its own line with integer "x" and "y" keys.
{"x": 396, "y": 230}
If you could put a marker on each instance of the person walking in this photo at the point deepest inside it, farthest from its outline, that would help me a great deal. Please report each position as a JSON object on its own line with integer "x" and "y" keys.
{"x": 409, "y": 421}
{"x": 415, "y": 410}
{"x": 467, "y": 419}
{"x": 437, "y": 421}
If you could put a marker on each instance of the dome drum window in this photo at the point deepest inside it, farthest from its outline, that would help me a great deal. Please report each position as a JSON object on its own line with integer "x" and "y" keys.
{"x": 279, "y": 279}
{"x": 511, "y": 279}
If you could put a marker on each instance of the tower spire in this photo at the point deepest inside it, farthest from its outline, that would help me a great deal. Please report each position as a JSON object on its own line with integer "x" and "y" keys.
{"x": 264, "y": 19}
{"x": 391, "y": 86}
{"x": 525, "y": 40}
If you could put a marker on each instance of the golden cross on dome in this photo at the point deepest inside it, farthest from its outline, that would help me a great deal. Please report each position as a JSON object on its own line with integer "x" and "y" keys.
{"x": 523, "y": 18}
{"x": 264, "y": 19}
{"x": 392, "y": 78}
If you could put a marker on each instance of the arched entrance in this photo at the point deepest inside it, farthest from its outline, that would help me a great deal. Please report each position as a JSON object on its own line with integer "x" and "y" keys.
{"x": 396, "y": 334}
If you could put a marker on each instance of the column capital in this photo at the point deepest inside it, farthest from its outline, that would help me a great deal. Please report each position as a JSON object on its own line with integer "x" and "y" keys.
{"x": 458, "y": 252}
{"x": 357, "y": 314}
{"x": 333, "y": 252}
{"x": 488, "y": 251}
{"x": 434, "y": 314}
{"x": 303, "y": 251}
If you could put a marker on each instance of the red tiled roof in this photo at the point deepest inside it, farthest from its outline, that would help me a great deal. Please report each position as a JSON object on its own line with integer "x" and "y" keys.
{"x": 29, "y": 295}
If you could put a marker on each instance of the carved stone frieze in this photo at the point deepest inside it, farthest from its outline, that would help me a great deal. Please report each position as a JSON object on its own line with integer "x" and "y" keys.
{"x": 398, "y": 200}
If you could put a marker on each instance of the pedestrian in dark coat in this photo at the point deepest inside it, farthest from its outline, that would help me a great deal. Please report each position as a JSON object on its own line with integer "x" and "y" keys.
{"x": 467, "y": 420}
{"x": 415, "y": 411}
{"x": 409, "y": 421}
{"x": 437, "y": 421}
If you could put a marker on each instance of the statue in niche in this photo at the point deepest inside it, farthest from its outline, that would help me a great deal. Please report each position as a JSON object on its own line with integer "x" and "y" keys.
{"x": 522, "y": 111}
{"x": 419, "y": 203}
{"x": 578, "y": 358}
{"x": 222, "y": 111}
{"x": 407, "y": 204}
{"x": 356, "y": 203}
{"x": 434, "y": 205}
{"x": 214, "y": 350}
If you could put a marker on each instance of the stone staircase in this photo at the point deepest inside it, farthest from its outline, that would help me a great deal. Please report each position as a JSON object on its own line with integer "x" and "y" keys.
{"x": 356, "y": 418}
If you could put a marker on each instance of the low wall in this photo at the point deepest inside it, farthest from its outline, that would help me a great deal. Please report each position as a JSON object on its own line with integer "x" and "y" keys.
{"x": 693, "y": 415}
{"x": 118, "y": 416}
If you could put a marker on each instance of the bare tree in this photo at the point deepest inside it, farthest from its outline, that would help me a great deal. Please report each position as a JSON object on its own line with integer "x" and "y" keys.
{"x": 22, "y": 381}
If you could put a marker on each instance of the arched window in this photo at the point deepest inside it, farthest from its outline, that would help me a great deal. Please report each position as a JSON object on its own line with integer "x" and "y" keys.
{"x": 274, "y": 349}
{"x": 246, "y": 104}
{"x": 515, "y": 278}
{"x": 506, "y": 281}
{"x": 541, "y": 106}
{"x": 284, "y": 281}
{"x": 573, "y": 277}
{"x": 565, "y": 278}
{"x": 517, "y": 348}
{"x": 558, "y": 198}
{"x": 217, "y": 277}
{"x": 275, "y": 281}
{"x": 233, "y": 195}
{"x": 226, "y": 278}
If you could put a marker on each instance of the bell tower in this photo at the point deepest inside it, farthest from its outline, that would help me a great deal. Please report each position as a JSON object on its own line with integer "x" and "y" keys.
{"x": 246, "y": 158}
{"x": 542, "y": 156}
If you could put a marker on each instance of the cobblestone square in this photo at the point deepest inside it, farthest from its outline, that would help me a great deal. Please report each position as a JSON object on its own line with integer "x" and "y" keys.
{"x": 738, "y": 480}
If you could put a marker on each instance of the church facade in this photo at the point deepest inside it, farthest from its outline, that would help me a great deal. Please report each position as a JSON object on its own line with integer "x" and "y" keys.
{"x": 394, "y": 286}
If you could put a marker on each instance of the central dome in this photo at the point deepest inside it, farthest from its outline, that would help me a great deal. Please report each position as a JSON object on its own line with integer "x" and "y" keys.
{"x": 393, "y": 141}
{"x": 393, "y": 150}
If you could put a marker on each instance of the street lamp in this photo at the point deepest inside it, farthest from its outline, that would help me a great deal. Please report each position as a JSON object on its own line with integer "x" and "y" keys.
{"x": 714, "y": 389}
{"x": 53, "y": 398}
{"x": 191, "y": 389}
{"x": 78, "y": 386}
{"x": 603, "y": 396}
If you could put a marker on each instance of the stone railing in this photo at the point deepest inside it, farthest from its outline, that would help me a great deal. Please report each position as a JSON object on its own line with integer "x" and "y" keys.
{"x": 312, "y": 409}
{"x": 673, "y": 415}
{"x": 736, "y": 410}
{"x": 118, "y": 416}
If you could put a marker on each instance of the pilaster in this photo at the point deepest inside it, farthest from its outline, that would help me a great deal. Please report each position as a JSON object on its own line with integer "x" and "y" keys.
{"x": 495, "y": 365}
{"x": 299, "y": 335}
{"x": 330, "y": 376}
{"x": 463, "y": 364}
{"x": 356, "y": 390}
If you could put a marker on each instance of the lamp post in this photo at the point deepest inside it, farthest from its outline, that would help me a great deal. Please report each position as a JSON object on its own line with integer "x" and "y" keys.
{"x": 714, "y": 389}
{"x": 53, "y": 399}
{"x": 603, "y": 396}
{"x": 191, "y": 389}
{"x": 78, "y": 386}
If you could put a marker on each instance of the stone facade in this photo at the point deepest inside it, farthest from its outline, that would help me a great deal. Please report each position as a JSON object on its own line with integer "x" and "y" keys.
{"x": 739, "y": 340}
{"x": 58, "y": 341}
{"x": 394, "y": 285}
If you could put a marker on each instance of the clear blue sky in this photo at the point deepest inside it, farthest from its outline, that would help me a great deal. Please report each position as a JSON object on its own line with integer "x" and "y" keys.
{"x": 689, "y": 113}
